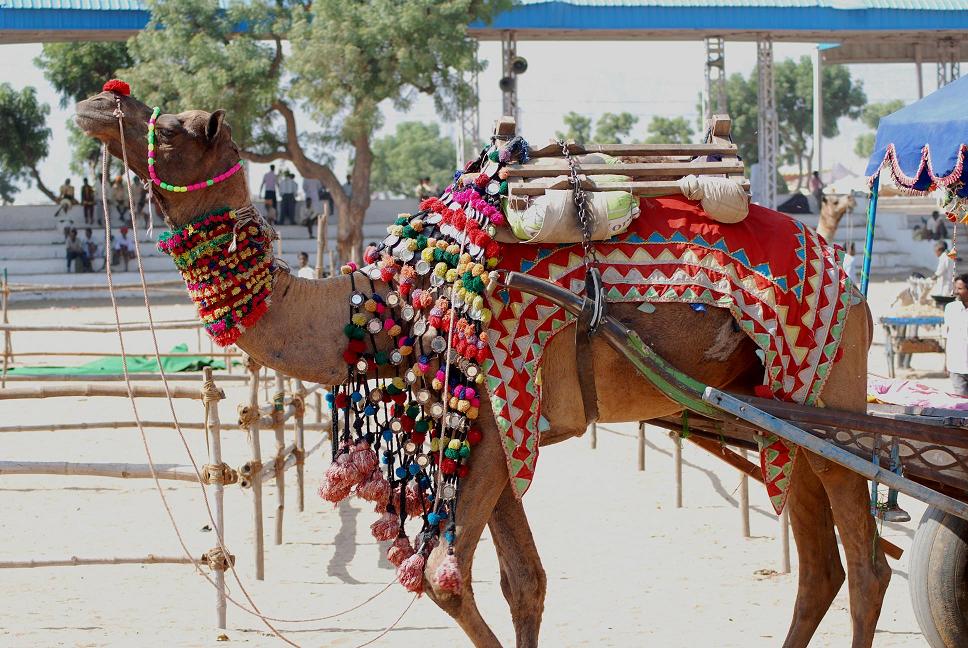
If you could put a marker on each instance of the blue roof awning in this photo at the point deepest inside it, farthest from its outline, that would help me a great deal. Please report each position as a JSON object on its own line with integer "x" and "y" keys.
{"x": 925, "y": 143}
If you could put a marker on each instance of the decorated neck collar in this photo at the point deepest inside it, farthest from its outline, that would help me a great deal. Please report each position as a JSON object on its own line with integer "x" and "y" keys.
{"x": 225, "y": 258}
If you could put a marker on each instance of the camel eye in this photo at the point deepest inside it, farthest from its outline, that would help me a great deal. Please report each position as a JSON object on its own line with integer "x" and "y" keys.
{"x": 167, "y": 133}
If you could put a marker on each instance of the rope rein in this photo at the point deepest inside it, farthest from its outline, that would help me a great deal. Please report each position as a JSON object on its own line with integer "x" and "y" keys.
{"x": 220, "y": 557}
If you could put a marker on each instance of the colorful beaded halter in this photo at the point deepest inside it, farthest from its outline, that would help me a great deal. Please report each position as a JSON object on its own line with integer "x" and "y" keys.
{"x": 405, "y": 421}
{"x": 179, "y": 188}
{"x": 225, "y": 259}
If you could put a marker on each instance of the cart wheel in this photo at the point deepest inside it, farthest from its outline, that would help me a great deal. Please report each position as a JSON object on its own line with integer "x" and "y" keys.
{"x": 939, "y": 579}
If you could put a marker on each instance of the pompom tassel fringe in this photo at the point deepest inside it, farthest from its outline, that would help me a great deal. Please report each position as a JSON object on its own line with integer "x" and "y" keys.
{"x": 448, "y": 575}
{"x": 411, "y": 574}
{"x": 399, "y": 551}
{"x": 387, "y": 527}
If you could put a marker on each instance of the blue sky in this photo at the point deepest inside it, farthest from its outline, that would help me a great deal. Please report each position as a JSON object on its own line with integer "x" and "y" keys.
{"x": 643, "y": 78}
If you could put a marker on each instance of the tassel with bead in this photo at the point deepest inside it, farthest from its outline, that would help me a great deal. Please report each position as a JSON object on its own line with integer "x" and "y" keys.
{"x": 400, "y": 550}
{"x": 411, "y": 573}
{"x": 364, "y": 458}
{"x": 448, "y": 574}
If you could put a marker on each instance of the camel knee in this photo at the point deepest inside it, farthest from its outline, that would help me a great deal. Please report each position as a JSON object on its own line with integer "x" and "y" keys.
{"x": 525, "y": 588}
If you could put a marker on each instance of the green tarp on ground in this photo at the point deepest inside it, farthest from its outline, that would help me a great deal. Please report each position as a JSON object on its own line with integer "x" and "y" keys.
{"x": 136, "y": 364}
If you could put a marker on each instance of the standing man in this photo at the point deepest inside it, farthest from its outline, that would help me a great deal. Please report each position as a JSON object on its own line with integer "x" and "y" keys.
{"x": 287, "y": 189}
{"x": 944, "y": 274}
{"x": 305, "y": 270}
{"x": 268, "y": 190}
{"x": 311, "y": 187}
{"x": 816, "y": 188}
{"x": 956, "y": 333}
{"x": 87, "y": 201}
{"x": 65, "y": 202}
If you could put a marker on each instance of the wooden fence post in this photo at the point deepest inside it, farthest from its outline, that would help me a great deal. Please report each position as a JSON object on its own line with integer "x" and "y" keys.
{"x": 784, "y": 531}
{"x": 300, "y": 451}
{"x": 211, "y": 397}
{"x": 594, "y": 435}
{"x": 744, "y": 501}
{"x": 677, "y": 455}
{"x": 279, "y": 427}
{"x": 321, "y": 221}
{"x": 255, "y": 467}
{"x": 7, "y": 339}
{"x": 641, "y": 445}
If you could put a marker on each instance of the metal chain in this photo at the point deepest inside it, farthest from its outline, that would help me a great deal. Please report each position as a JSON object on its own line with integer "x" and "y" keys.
{"x": 581, "y": 205}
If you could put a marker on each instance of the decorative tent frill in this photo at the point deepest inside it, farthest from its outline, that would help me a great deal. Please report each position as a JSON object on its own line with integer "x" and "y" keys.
{"x": 925, "y": 143}
{"x": 925, "y": 179}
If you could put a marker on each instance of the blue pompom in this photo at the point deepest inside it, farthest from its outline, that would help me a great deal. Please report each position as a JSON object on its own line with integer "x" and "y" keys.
{"x": 433, "y": 518}
{"x": 442, "y": 514}
{"x": 414, "y": 469}
{"x": 356, "y": 396}
{"x": 401, "y": 472}
{"x": 388, "y": 435}
{"x": 369, "y": 410}
{"x": 449, "y": 537}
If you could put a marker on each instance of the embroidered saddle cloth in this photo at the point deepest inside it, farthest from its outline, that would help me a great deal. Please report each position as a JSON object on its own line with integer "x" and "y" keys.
{"x": 783, "y": 284}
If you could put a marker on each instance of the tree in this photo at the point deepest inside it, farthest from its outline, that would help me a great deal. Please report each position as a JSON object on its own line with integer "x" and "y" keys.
{"x": 343, "y": 60}
{"x": 77, "y": 71}
{"x": 669, "y": 130}
{"x": 23, "y": 139}
{"x": 579, "y": 128}
{"x": 871, "y": 115}
{"x": 842, "y": 97}
{"x": 415, "y": 151}
{"x": 612, "y": 128}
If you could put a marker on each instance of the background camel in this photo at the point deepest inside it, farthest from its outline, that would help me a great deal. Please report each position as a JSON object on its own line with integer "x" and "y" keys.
{"x": 832, "y": 210}
{"x": 296, "y": 336}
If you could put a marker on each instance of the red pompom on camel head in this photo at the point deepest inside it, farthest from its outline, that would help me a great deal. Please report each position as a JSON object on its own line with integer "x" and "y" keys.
{"x": 118, "y": 86}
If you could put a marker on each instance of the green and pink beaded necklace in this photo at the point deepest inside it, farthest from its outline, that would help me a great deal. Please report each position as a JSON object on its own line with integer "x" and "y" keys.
{"x": 179, "y": 188}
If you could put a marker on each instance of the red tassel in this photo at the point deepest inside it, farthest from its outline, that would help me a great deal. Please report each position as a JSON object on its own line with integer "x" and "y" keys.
{"x": 333, "y": 492}
{"x": 411, "y": 572}
{"x": 375, "y": 489}
{"x": 387, "y": 527}
{"x": 400, "y": 550}
{"x": 365, "y": 458}
{"x": 448, "y": 575}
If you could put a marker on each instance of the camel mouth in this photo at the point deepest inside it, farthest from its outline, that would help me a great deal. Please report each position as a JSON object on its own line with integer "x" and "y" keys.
{"x": 94, "y": 119}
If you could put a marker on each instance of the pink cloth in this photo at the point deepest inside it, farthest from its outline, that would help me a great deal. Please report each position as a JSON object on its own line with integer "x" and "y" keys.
{"x": 908, "y": 393}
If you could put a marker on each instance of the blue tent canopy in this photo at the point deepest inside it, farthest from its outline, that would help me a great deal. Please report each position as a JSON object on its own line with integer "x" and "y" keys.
{"x": 926, "y": 143}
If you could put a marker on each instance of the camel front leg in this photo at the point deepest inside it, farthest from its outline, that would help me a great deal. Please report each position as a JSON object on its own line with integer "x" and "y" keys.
{"x": 523, "y": 579}
{"x": 479, "y": 493}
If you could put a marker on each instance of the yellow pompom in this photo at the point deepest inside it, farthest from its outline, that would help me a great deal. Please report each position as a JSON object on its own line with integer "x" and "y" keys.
{"x": 359, "y": 319}
{"x": 472, "y": 413}
{"x": 427, "y": 254}
{"x": 454, "y": 444}
{"x": 435, "y": 445}
{"x": 451, "y": 275}
{"x": 440, "y": 269}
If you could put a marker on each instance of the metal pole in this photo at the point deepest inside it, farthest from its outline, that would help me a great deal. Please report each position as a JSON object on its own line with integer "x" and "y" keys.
{"x": 594, "y": 435}
{"x": 865, "y": 277}
{"x": 817, "y": 111}
{"x": 919, "y": 70}
{"x": 767, "y": 121}
{"x": 509, "y": 49}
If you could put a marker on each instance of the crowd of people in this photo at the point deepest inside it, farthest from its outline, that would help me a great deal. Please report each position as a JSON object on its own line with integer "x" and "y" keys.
{"x": 280, "y": 197}
{"x": 81, "y": 251}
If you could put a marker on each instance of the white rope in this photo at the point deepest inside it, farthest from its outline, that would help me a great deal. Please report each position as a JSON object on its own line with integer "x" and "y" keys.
{"x": 219, "y": 535}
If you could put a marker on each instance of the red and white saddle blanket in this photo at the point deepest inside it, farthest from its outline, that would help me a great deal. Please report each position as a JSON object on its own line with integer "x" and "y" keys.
{"x": 780, "y": 280}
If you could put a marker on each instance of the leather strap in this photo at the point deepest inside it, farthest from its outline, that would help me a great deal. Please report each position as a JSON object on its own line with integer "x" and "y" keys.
{"x": 592, "y": 313}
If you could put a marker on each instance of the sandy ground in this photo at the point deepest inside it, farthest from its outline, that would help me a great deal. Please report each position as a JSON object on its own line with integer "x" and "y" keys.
{"x": 625, "y": 567}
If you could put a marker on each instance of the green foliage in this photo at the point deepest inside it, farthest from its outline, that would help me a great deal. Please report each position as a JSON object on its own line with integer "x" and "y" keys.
{"x": 190, "y": 56}
{"x": 843, "y": 97}
{"x": 23, "y": 138}
{"x": 614, "y": 129}
{"x": 871, "y": 115}
{"x": 669, "y": 130}
{"x": 579, "y": 128}
{"x": 78, "y": 70}
{"x": 415, "y": 151}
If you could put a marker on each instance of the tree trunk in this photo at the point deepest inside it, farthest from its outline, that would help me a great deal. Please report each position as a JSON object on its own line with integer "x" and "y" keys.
{"x": 40, "y": 184}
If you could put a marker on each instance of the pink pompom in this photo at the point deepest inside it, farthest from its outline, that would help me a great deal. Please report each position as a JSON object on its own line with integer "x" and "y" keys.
{"x": 400, "y": 550}
{"x": 375, "y": 489}
{"x": 387, "y": 527}
{"x": 448, "y": 575}
{"x": 365, "y": 459}
{"x": 410, "y": 574}
{"x": 333, "y": 492}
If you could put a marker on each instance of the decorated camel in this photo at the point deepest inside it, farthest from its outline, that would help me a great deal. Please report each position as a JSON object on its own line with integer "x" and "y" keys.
{"x": 389, "y": 336}
{"x": 832, "y": 210}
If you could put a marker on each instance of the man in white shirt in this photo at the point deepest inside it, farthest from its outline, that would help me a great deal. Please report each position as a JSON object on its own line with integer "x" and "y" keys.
{"x": 269, "y": 186}
{"x": 305, "y": 270}
{"x": 850, "y": 263}
{"x": 944, "y": 275}
{"x": 124, "y": 247}
{"x": 956, "y": 327}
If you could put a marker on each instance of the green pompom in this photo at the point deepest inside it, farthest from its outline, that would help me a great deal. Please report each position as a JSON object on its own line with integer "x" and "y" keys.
{"x": 421, "y": 426}
{"x": 494, "y": 156}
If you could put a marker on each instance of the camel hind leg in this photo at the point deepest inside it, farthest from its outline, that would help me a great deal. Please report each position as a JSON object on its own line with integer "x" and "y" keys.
{"x": 868, "y": 573}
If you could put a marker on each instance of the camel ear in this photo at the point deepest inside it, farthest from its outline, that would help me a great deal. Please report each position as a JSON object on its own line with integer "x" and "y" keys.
{"x": 214, "y": 127}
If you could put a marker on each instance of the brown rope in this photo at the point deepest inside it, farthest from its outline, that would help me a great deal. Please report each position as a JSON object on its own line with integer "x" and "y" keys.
{"x": 211, "y": 393}
{"x": 220, "y": 473}
{"x": 251, "y": 469}
{"x": 248, "y": 416}
{"x": 300, "y": 455}
{"x": 218, "y": 560}
{"x": 299, "y": 405}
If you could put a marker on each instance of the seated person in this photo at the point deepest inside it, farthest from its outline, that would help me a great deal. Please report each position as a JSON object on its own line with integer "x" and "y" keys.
{"x": 124, "y": 247}
{"x": 76, "y": 253}
{"x": 305, "y": 270}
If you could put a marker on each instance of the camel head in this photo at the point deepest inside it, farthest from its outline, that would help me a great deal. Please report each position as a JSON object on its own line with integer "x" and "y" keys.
{"x": 190, "y": 147}
{"x": 838, "y": 205}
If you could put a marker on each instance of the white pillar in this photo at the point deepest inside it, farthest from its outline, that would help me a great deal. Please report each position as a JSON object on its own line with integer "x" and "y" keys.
{"x": 766, "y": 121}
